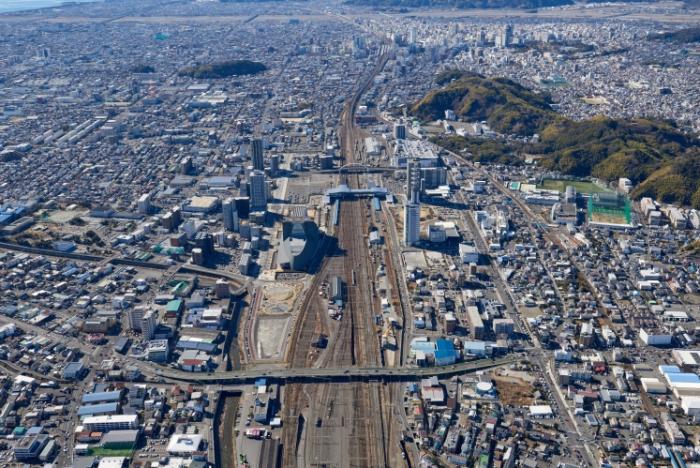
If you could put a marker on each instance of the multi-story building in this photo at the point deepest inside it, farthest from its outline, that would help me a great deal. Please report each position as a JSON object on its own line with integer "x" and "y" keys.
{"x": 230, "y": 215}
{"x": 149, "y": 322}
{"x": 113, "y": 422}
{"x": 258, "y": 191}
{"x": 400, "y": 131}
{"x": 144, "y": 203}
{"x": 134, "y": 317}
{"x": 411, "y": 223}
{"x": 158, "y": 350}
{"x": 29, "y": 448}
{"x": 257, "y": 154}
{"x": 413, "y": 182}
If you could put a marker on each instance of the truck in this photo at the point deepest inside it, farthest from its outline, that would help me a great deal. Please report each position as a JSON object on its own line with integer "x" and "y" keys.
{"x": 256, "y": 433}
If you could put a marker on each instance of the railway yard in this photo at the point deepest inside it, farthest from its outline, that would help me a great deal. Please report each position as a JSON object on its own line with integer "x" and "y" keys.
{"x": 331, "y": 424}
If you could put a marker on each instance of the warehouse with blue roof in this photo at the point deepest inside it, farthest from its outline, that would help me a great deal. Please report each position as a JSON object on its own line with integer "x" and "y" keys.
{"x": 101, "y": 397}
{"x": 441, "y": 352}
{"x": 445, "y": 353}
{"x": 97, "y": 410}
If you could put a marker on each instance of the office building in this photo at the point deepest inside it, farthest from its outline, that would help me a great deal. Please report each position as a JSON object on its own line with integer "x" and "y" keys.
{"x": 242, "y": 207}
{"x": 186, "y": 165}
{"x": 244, "y": 264}
{"x": 222, "y": 289}
{"x": 257, "y": 154}
{"x": 144, "y": 203}
{"x": 413, "y": 182}
{"x": 503, "y": 326}
{"x": 230, "y": 215}
{"x": 172, "y": 219}
{"x": 197, "y": 256}
{"x": 258, "y": 191}
{"x": 400, "y": 131}
{"x": 411, "y": 223}
{"x": 299, "y": 244}
{"x": 204, "y": 241}
{"x": 475, "y": 322}
{"x": 433, "y": 177}
{"x": 274, "y": 165}
{"x": 29, "y": 448}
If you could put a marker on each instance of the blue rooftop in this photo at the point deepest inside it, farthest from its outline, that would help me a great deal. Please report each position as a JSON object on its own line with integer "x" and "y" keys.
{"x": 34, "y": 430}
{"x": 98, "y": 397}
{"x": 444, "y": 345}
{"x": 104, "y": 408}
{"x": 427, "y": 347}
{"x": 669, "y": 369}
{"x": 682, "y": 377}
{"x": 444, "y": 354}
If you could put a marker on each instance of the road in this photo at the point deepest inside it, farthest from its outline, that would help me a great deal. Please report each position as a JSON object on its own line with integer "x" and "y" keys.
{"x": 234, "y": 379}
{"x": 538, "y": 355}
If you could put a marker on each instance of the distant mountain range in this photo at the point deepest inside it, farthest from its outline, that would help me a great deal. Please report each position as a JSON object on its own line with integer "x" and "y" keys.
{"x": 662, "y": 161}
{"x": 466, "y": 4}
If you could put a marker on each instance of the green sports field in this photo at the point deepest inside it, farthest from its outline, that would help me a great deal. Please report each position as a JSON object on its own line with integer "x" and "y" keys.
{"x": 580, "y": 186}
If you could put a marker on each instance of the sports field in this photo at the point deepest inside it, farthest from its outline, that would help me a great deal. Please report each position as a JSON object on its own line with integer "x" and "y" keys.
{"x": 580, "y": 186}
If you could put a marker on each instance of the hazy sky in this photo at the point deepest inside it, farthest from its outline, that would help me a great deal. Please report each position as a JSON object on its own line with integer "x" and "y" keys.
{"x": 17, "y": 5}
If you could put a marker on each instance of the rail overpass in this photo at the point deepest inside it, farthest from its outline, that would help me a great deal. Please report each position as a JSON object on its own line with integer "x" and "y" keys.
{"x": 339, "y": 375}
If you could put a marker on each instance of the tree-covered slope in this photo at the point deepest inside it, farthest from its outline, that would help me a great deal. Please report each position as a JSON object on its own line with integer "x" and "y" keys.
{"x": 223, "y": 69}
{"x": 661, "y": 160}
{"x": 507, "y": 106}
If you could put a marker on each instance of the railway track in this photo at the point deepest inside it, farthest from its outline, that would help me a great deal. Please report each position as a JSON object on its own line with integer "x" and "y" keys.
{"x": 353, "y": 435}
{"x": 299, "y": 356}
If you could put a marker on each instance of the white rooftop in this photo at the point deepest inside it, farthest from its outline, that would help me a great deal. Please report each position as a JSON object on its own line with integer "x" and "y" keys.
{"x": 183, "y": 443}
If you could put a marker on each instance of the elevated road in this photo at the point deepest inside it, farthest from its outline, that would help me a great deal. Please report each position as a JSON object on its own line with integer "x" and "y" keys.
{"x": 240, "y": 282}
{"x": 328, "y": 374}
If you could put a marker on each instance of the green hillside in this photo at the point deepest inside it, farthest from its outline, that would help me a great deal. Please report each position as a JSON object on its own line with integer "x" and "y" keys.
{"x": 507, "y": 106}
{"x": 609, "y": 148}
{"x": 661, "y": 161}
{"x": 677, "y": 181}
{"x": 223, "y": 69}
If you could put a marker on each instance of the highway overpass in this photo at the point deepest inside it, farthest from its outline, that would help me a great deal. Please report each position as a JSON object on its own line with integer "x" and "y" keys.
{"x": 349, "y": 374}
{"x": 240, "y": 283}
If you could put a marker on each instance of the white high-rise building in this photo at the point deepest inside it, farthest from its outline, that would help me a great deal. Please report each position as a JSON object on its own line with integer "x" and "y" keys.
{"x": 149, "y": 323}
{"x": 145, "y": 203}
{"x": 413, "y": 181}
{"x": 258, "y": 191}
{"x": 411, "y": 223}
{"x": 412, "y": 36}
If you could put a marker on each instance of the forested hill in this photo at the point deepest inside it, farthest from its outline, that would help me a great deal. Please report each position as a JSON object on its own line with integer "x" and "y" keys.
{"x": 660, "y": 159}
